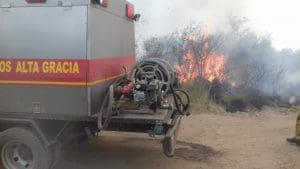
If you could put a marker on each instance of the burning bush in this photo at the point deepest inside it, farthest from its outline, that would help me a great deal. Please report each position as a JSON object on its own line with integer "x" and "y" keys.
{"x": 238, "y": 68}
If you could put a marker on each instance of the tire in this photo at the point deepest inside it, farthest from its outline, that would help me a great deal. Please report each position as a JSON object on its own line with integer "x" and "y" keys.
{"x": 22, "y": 149}
{"x": 168, "y": 145}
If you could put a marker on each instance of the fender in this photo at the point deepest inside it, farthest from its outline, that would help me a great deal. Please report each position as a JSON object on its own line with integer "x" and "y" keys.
{"x": 27, "y": 122}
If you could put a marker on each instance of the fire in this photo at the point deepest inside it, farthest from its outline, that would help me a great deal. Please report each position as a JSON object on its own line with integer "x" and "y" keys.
{"x": 208, "y": 65}
{"x": 187, "y": 71}
{"x": 214, "y": 67}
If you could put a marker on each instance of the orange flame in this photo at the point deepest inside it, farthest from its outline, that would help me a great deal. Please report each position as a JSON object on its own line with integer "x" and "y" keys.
{"x": 208, "y": 65}
{"x": 187, "y": 72}
{"x": 214, "y": 68}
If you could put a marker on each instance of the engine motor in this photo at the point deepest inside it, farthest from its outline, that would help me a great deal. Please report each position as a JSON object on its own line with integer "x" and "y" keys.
{"x": 149, "y": 83}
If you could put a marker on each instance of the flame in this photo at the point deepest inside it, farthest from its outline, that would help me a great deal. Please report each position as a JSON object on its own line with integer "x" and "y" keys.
{"x": 187, "y": 71}
{"x": 214, "y": 68}
{"x": 209, "y": 65}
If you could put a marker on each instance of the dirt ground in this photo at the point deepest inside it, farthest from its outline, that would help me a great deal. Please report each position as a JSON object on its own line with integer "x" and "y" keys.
{"x": 206, "y": 141}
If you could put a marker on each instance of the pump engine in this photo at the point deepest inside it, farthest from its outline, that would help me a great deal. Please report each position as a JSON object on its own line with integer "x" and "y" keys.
{"x": 150, "y": 83}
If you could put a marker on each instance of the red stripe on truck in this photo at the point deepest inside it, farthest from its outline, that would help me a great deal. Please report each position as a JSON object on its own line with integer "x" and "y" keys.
{"x": 107, "y": 67}
{"x": 73, "y": 72}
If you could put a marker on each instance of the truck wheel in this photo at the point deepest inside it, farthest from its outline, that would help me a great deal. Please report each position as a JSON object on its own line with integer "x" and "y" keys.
{"x": 169, "y": 146}
{"x": 22, "y": 149}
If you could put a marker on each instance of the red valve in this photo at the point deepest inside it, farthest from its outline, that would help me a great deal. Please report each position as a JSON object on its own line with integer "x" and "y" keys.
{"x": 127, "y": 89}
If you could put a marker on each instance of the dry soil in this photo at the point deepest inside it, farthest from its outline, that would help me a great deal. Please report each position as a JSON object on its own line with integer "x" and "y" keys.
{"x": 253, "y": 140}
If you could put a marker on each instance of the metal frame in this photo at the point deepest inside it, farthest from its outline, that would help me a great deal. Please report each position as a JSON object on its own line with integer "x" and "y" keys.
{"x": 41, "y": 116}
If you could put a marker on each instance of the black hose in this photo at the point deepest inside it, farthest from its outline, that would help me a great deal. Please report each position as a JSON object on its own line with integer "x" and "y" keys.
{"x": 187, "y": 105}
{"x": 176, "y": 97}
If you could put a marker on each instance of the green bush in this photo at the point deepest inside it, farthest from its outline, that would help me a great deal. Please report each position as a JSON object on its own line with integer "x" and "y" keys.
{"x": 197, "y": 91}
{"x": 234, "y": 101}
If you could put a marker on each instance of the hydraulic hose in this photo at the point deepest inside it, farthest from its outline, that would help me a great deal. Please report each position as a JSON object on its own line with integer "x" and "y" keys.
{"x": 177, "y": 98}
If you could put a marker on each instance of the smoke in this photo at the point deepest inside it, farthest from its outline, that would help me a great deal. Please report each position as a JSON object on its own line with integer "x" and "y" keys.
{"x": 163, "y": 17}
{"x": 291, "y": 81}
{"x": 279, "y": 68}
{"x": 279, "y": 18}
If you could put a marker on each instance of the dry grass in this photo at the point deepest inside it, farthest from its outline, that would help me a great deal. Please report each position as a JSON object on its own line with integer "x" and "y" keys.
{"x": 200, "y": 102}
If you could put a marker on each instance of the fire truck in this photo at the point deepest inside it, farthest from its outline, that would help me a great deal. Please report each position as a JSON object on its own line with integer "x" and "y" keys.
{"x": 68, "y": 71}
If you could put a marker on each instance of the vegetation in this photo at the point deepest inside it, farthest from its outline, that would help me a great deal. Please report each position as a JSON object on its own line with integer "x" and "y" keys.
{"x": 253, "y": 73}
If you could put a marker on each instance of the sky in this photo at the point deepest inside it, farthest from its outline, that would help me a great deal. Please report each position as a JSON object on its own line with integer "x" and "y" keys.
{"x": 278, "y": 18}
